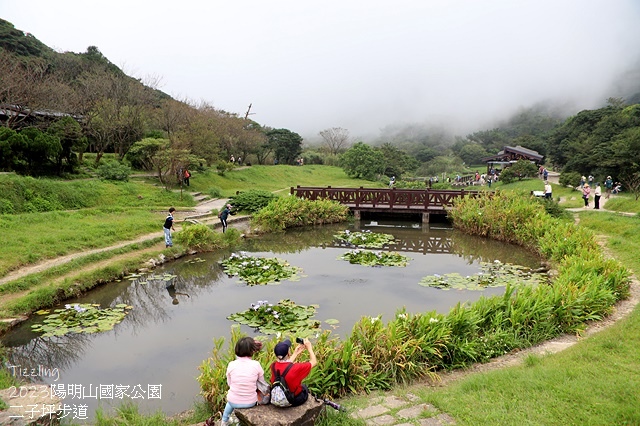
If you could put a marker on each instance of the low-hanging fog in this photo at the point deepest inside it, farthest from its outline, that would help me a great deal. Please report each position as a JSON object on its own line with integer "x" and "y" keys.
{"x": 460, "y": 65}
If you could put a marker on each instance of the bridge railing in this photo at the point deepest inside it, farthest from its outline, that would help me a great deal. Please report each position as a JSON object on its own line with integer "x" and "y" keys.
{"x": 418, "y": 199}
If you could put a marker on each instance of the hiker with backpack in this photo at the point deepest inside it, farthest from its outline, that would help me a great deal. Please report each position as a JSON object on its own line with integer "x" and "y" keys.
{"x": 286, "y": 374}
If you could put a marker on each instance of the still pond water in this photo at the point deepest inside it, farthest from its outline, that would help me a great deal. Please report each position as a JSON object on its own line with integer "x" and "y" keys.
{"x": 170, "y": 331}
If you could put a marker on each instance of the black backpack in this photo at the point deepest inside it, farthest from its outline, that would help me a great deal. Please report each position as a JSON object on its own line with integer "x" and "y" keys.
{"x": 281, "y": 396}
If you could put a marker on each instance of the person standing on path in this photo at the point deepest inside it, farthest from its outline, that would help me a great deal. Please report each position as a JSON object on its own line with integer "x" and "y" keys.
{"x": 596, "y": 199}
{"x": 187, "y": 175}
{"x": 608, "y": 184}
{"x": 547, "y": 190}
{"x": 586, "y": 191}
{"x": 168, "y": 227}
{"x": 223, "y": 215}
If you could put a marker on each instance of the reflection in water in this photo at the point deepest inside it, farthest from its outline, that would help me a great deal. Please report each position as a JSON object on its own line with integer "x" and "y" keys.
{"x": 173, "y": 294}
{"x": 162, "y": 342}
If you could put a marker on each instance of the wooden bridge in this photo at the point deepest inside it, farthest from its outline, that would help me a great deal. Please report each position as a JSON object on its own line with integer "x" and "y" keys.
{"x": 418, "y": 201}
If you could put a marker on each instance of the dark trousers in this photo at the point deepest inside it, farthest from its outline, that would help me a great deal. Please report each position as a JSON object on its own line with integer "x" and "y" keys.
{"x": 302, "y": 397}
{"x": 596, "y": 202}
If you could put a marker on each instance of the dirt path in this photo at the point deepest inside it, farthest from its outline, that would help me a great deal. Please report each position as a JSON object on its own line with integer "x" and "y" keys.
{"x": 198, "y": 211}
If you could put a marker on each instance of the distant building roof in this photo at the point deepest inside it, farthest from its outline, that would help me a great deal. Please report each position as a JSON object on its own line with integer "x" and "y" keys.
{"x": 514, "y": 153}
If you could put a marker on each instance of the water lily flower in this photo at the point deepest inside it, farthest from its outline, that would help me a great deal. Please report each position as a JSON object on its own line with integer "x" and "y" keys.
{"x": 432, "y": 320}
{"x": 265, "y": 267}
{"x": 67, "y": 306}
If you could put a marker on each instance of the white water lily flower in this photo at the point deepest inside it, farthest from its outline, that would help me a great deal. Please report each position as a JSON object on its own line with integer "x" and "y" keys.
{"x": 67, "y": 306}
{"x": 265, "y": 267}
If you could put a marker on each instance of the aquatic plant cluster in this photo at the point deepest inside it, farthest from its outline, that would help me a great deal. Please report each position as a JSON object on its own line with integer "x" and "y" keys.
{"x": 375, "y": 258}
{"x": 284, "y": 317}
{"x": 366, "y": 239}
{"x": 80, "y": 318}
{"x": 378, "y": 355}
{"x": 259, "y": 270}
{"x": 496, "y": 274}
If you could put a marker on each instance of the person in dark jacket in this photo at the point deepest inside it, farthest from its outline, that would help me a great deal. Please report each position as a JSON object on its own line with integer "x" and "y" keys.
{"x": 223, "y": 215}
{"x": 168, "y": 227}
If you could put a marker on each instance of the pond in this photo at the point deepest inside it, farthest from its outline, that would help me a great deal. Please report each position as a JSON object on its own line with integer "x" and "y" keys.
{"x": 170, "y": 331}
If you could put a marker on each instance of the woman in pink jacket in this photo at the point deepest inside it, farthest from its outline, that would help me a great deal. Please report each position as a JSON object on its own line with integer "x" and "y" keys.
{"x": 586, "y": 190}
{"x": 244, "y": 377}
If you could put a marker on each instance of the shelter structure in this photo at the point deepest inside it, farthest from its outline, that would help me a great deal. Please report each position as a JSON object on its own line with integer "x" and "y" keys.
{"x": 510, "y": 155}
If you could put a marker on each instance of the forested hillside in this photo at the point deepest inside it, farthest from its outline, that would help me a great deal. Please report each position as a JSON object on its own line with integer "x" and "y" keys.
{"x": 55, "y": 106}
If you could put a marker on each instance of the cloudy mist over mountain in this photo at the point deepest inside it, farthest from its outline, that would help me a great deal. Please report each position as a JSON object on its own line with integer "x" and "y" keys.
{"x": 360, "y": 65}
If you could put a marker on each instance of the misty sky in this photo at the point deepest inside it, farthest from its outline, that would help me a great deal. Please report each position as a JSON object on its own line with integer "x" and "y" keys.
{"x": 309, "y": 65}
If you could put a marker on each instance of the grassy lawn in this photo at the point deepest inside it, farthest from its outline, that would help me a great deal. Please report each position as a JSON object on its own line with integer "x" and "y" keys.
{"x": 274, "y": 178}
{"x": 595, "y": 382}
{"x": 125, "y": 211}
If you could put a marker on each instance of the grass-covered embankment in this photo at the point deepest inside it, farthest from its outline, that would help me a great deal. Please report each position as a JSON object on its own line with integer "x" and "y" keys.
{"x": 594, "y": 382}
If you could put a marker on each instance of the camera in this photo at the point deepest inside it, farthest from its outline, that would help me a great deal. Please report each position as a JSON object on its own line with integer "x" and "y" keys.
{"x": 300, "y": 340}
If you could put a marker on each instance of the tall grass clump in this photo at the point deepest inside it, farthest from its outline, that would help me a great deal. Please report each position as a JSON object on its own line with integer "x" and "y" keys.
{"x": 202, "y": 238}
{"x": 290, "y": 212}
{"x": 378, "y": 355}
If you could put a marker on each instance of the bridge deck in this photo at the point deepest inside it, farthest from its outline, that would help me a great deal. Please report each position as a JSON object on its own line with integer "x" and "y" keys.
{"x": 386, "y": 200}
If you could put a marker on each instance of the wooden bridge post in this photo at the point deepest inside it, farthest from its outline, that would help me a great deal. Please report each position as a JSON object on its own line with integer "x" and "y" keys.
{"x": 356, "y": 215}
{"x": 425, "y": 217}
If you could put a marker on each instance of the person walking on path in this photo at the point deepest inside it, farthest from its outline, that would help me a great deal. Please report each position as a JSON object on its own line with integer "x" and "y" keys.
{"x": 586, "y": 191}
{"x": 608, "y": 184}
{"x": 596, "y": 199}
{"x": 168, "y": 227}
{"x": 223, "y": 215}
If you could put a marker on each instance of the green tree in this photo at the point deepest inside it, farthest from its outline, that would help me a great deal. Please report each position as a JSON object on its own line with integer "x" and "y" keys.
{"x": 142, "y": 153}
{"x": 287, "y": 145}
{"x": 69, "y": 131}
{"x": 472, "y": 153}
{"x": 362, "y": 161}
{"x": 521, "y": 169}
{"x": 397, "y": 162}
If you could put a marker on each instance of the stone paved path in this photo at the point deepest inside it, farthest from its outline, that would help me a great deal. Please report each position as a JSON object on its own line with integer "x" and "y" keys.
{"x": 402, "y": 411}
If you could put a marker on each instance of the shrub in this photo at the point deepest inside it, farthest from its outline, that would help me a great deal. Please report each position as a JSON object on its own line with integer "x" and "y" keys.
{"x": 113, "y": 170}
{"x": 571, "y": 179}
{"x": 288, "y": 212}
{"x": 203, "y": 238}
{"x": 252, "y": 201}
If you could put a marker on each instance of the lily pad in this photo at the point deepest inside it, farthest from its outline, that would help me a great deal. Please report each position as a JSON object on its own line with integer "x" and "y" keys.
{"x": 496, "y": 274}
{"x": 375, "y": 258}
{"x": 366, "y": 239}
{"x": 81, "y": 318}
{"x": 259, "y": 270}
{"x": 284, "y": 317}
